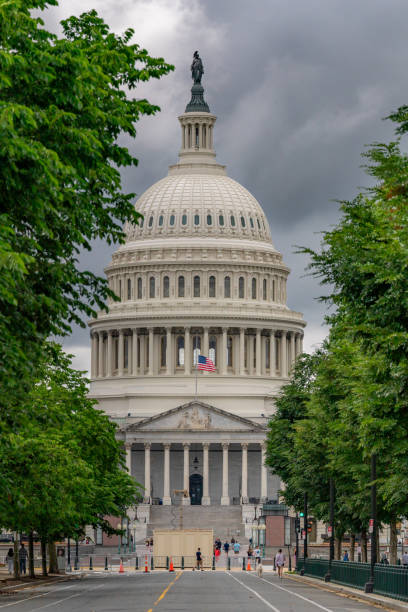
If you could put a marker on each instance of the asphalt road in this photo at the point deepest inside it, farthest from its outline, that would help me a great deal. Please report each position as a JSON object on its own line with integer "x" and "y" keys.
{"x": 182, "y": 591}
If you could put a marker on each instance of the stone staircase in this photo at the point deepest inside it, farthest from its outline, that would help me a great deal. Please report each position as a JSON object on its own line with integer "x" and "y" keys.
{"x": 225, "y": 521}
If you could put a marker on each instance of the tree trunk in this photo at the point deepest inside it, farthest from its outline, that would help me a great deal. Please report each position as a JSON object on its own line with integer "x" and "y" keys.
{"x": 364, "y": 546}
{"x": 393, "y": 543}
{"x": 44, "y": 556}
{"x": 31, "y": 555}
{"x": 352, "y": 546}
{"x": 52, "y": 554}
{"x": 16, "y": 559}
{"x": 337, "y": 548}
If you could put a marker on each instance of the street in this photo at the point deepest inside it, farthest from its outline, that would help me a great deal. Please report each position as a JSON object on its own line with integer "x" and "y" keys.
{"x": 182, "y": 591}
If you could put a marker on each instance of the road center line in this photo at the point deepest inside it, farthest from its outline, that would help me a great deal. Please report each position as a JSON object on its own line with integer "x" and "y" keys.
{"x": 276, "y": 586}
{"x": 15, "y": 603}
{"x": 166, "y": 590}
{"x": 255, "y": 593}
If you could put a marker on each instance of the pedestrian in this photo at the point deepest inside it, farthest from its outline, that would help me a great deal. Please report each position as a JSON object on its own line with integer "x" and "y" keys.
{"x": 257, "y": 554}
{"x": 226, "y": 547}
{"x": 405, "y": 558}
{"x": 237, "y": 547}
{"x": 151, "y": 542}
{"x": 345, "y": 556}
{"x": 250, "y": 541}
{"x": 280, "y": 562}
{"x": 250, "y": 551}
{"x": 22, "y": 555}
{"x": 10, "y": 560}
{"x": 384, "y": 559}
{"x": 232, "y": 541}
{"x": 217, "y": 553}
{"x": 199, "y": 560}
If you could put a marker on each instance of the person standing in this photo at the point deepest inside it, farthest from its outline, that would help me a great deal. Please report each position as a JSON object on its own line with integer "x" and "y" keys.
{"x": 22, "y": 555}
{"x": 345, "y": 556}
{"x": 10, "y": 561}
{"x": 199, "y": 560}
{"x": 405, "y": 558}
{"x": 237, "y": 547}
{"x": 226, "y": 547}
{"x": 257, "y": 554}
{"x": 280, "y": 562}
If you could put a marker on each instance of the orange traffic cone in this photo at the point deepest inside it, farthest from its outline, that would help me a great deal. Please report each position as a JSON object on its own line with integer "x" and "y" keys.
{"x": 146, "y": 565}
{"x": 121, "y": 570}
{"x": 171, "y": 568}
{"x": 249, "y": 566}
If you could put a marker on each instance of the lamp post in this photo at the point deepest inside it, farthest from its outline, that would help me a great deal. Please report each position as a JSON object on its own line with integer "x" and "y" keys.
{"x": 369, "y": 586}
{"x": 262, "y": 534}
{"x": 305, "y": 521}
{"x": 119, "y": 526}
{"x": 69, "y": 554}
{"x": 327, "y": 577}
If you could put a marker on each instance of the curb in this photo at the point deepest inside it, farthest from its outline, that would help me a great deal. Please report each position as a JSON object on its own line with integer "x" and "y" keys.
{"x": 380, "y": 600}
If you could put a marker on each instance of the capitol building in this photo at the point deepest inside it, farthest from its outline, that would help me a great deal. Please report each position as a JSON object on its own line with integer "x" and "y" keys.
{"x": 199, "y": 275}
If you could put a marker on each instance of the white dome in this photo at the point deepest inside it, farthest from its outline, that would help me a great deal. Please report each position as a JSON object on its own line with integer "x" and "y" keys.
{"x": 199, "y": 205}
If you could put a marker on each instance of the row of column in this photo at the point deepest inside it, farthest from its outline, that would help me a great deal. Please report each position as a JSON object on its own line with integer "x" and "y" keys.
{"x": 144, "y": 355}
{"x": 206, "y": 500}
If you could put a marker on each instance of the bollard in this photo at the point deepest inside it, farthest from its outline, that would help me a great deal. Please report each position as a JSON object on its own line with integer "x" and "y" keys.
{"x": 228, "y": 563}
{"x": 167, "y": 563}
{"x": 146, "y": 566}
{"x": 136, "y": 563}
{"x": 151, "y": 563}
{"x": 106, "y": 564}
{"x": 243, "y": 563}
{"x": 213, "y": 563}
{"x": 76, "y": 566}
{"x": 182, "y": 563}
{"x": 90, "y": 562}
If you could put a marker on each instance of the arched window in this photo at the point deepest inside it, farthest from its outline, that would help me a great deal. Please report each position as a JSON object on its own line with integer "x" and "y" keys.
{"x": 196, "y": 219}
{"x": 141, "y": 222}
{"x": 151, "y": 221}
{"x": 180, "y": 351}
{"x": 196, "y": 348}
{"x": 160, "y": 220}
{"x": 139, "y": 288}
{"x": 196, "y": 283}
{"x": 221, "y": 220}
{"x": 211, "y": 286}
{"x": 209, "y": 220}
{"x": 229, "y": 352}
{"x": 172, "y": 220}
{"x": 232, "y": 221}
{"x": 254, "y": 288}
{"x": 243, "y": 221}
{"x": 227, "y": 287}
{"x": 181, "y": 286}
{"x": 163, "y": 349}
{"x": 184, "y": 220}
{"x": 129, "y": 289}
{"x": 152, "y": 287}
{"x": 264, "y": 289}
{"x": 212, "y": 351}
{"x": 241, "y": 287}
{"x": 166, "y": 287}
{"x": 259, "y": 225}
{"x": 251, "y": 221}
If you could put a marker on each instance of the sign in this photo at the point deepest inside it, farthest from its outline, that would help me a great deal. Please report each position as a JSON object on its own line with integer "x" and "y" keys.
{"x": 329, "y": 530}
{"x": 371, "y": 526}
{"x": 303, "y": 534}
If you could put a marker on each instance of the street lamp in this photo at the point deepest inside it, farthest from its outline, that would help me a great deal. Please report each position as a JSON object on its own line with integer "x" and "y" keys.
{"x": 119, "y": 526}
{"x": 262, "y": 533}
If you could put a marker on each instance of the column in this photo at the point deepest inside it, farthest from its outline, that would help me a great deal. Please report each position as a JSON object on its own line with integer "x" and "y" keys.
{"x": 186, "y": 474}
{"x": 206, "y": 501}
{"x": 94, "y": 355}
{"x": 128, "y": 448}
{"x": 169, "y": 351}
{"x": 264, "y": 474}
{"x": 166, "y": 475}
{"x": 147, "y": 483}
{"x": 225, "y": 500}
{"x": 151, "y": 349}
{"x": 272, "y": 356}
{"x": 224, "y": 365}
{"x": 205, "y": 347}
{"x": 201, "y": 135}
{"x": 134, "y": 351}
{"x": 301, "y": 343}
{"x": 100, "y": 355}
{"x": 187, "y": 351}
{"x": 142, "y": 354}
{"x": 284, "y": 358}
{"x": 292, "y": 349}
{"x": 250, "y": 357}
{"x": 242, "y": 351}
{"x": 244, "y": 487}
{"x": 110, "y": 354}
{"x": 120, "y": 353}
{"x": 258, "y": 352}
{"x": 129, "y": 354}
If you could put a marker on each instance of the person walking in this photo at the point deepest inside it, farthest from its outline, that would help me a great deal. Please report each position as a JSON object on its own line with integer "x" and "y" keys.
{"x": 22, "y": 555}
{"x": 199, "y": 560}
{"x": 10, "y": 561}
{"x": 345, "y": 556}
{"x": 226, "y": 547}
{"x": 257, "y": 554}
{"x": 280, "y": 562}
{"x": 237, "y": 547}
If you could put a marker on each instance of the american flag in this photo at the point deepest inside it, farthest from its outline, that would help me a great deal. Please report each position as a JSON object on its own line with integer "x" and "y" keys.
{"x": 204, "y": 363}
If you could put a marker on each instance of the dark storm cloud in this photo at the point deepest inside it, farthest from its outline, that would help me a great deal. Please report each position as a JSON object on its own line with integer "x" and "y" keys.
{"x": 298, "y": 87}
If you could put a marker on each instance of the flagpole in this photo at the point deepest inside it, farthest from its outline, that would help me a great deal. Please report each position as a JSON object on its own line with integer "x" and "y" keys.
{"x": 196, "y": 367}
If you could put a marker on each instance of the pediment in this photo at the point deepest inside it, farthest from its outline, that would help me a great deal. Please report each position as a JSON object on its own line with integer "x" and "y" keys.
{"x": 195, "y": 416}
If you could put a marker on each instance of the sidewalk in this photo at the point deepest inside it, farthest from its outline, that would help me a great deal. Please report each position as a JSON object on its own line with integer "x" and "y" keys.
{"x": 385, "y": 602}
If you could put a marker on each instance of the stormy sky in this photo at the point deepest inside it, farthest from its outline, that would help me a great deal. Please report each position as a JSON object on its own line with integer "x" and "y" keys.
{"x": 299, "y": 89}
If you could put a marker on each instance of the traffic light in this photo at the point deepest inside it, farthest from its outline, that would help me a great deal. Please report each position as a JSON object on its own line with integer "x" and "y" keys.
{"x": 309, "y": 526}
{"x": 301, "y": 514}
{"x": 297, "y": 523}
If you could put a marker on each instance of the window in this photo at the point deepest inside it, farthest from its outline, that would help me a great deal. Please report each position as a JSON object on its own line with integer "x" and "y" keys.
{"x": 196, "y": 219}
{"x": 141, "y": 222}
{"x": 264, "y": 289}
{"x": 163, "y": 349}
{"x": 196, "y": 136}
{"x": 241, "y": 287}
{"x": 120, "y": 289}
{"x": 259, "y": 225}
{"x": 166, "y": 287}
{"x": 229, "y": 351}
{"x": 204, "y": 136}
{"x": 232, "y": 221}
{"x": 126, "y": 352}
{"x": 139, "y": 288}
{"x": 254, "y": 353}
{"x": 243, "y": 221}
{"x": 209, "y": 220}
{"x": 172, "y": 220}
{"x": 273, "y": 291}
{"x": 180, "y": 351}
{"x": 152, "y": 287}
{"x": 196, "y": 283}
{"x": 151, "y": 221}
{"x": 196, "y": 348}
{"x": 254, "y": 288}
{"x": 221, "y": 220}
{"x": 181, "y": 286}
{"x": 251, "y": 221}
{"x": 212, "y": 351}
{"x": 160, "y": 220}
{"x": 184, "y": 220}
{"x": 211, "y": 286}
{"x": 227, "y": 287}
{"x": 267, "y": 353}
{"x": 129, "y": 289}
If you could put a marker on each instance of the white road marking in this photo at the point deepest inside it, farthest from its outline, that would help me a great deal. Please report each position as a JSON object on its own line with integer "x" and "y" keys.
{"x": 54, "y": 603}
{"x": 255, "y": 593}
{"x": 276, "y": 586}
{"x": 15, "y": 603}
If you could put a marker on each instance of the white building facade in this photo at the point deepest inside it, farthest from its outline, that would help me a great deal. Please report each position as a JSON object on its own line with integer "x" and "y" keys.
{"x": 199, "y": 275}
